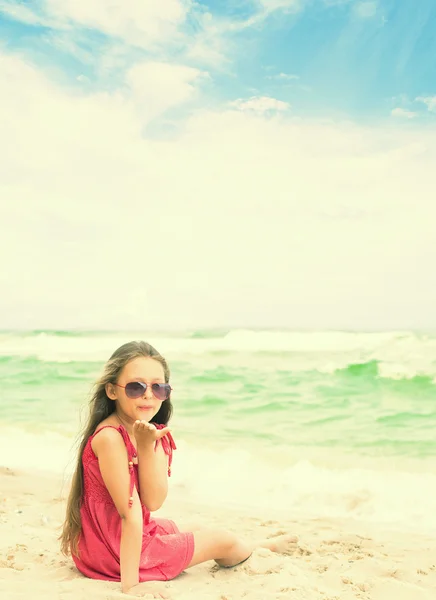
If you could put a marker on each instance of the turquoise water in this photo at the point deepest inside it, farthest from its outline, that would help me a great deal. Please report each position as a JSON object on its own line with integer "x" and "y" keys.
{"x": 301, "y": 402}
{"x": 272, "y": 396}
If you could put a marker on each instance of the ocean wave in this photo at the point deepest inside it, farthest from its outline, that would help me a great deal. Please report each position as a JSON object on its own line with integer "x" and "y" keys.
{"x": 375, "y": 369}
{"x": 390, "y": 354}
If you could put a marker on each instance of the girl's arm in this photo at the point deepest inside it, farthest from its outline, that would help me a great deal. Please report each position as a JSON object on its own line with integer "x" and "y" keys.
{"x": 153, "y": 474}
{"x": 113, "y": 461}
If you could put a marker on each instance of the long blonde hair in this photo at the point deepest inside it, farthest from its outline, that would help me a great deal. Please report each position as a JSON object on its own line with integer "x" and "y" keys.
{"x": 100, "y": 408}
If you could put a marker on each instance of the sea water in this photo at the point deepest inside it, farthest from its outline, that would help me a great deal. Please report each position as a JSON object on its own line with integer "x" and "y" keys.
{"x": 312, "y": 424}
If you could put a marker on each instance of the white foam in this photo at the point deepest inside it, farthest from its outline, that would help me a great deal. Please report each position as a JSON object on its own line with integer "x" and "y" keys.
{"x": 99, "y": 347}
{"x": 236, "y": 478}
{"x": 45, "y": 451}
{"x": 316, "y": 341}
{"x": 403, "y": 499}
{"x": 400, "y": 354}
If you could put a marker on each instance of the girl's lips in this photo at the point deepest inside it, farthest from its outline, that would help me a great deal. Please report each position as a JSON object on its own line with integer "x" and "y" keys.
{"x": 145, "y": 407}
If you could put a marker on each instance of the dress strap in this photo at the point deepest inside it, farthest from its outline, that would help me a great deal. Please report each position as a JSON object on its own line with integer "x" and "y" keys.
{"x": 168, "y": 445}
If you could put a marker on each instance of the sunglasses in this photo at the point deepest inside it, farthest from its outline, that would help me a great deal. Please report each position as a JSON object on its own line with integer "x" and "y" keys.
{"x": 136, "y": 389}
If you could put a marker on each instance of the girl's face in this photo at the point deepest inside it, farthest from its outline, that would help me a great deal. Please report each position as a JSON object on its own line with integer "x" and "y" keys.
{"x": 146, "y": 370}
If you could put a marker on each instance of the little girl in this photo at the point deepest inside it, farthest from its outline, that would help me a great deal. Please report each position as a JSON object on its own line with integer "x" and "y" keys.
{"x": 122, "y": 475}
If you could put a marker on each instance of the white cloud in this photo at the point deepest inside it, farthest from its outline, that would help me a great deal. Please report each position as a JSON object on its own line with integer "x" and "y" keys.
{"x": 330, "y": 3}
{"x": 284, "y": 77}
{"x": 136, "y": 21}
{"x": 208, "y": 51}
{"x": 261, "y": 104}
{"x": 237, "y": 219}
{"x": 157, "y": 27}
{"x": 429, "y": 101}
{"x": 19, "y": 12}
{"x": 210, "y": 46}
{"x": 157, "y": 86}
{"x": 366, "y": 9}
{"x": 24, "y": 14}
{"x": 265, "y": 9}
{"x": 68, "y": 42}
{"x": 271, "y": 5}
{"x": 402, "y": 113}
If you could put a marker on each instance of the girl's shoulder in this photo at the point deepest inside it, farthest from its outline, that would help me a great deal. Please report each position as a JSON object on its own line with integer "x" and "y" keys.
{"x": 109, "y": 422}
{"x": 109, "y": 432}
{"x": 105, "y": 429}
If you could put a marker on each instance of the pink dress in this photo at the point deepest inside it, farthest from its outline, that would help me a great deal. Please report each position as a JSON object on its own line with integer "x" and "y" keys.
{"x": 166, "y": 552}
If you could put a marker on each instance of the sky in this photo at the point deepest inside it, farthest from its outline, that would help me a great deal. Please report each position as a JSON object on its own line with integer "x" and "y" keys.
{"x": 181, "y": 164}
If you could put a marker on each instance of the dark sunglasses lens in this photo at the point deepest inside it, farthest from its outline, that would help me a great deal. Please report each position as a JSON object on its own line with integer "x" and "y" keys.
{"x": 135, "y": 389}
{"x": 161, "y": 391}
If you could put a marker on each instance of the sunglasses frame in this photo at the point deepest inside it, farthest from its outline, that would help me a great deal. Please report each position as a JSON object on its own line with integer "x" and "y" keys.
{"x": 145, "y": 387}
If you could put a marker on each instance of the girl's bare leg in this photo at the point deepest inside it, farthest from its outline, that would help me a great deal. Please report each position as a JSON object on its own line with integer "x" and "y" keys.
{"x": 227, "y": 550}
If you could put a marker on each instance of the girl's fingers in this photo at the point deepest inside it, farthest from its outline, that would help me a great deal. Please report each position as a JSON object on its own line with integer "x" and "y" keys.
{"x": 157, "y": 434}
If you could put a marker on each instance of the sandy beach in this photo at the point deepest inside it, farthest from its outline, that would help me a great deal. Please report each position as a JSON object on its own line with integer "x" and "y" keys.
{"x": 334, "y": 559}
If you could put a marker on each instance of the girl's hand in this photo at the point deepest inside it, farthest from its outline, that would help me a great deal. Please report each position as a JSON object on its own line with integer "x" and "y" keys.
{"x": 149, "y": 589}
{"x": 146, "y": 434}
